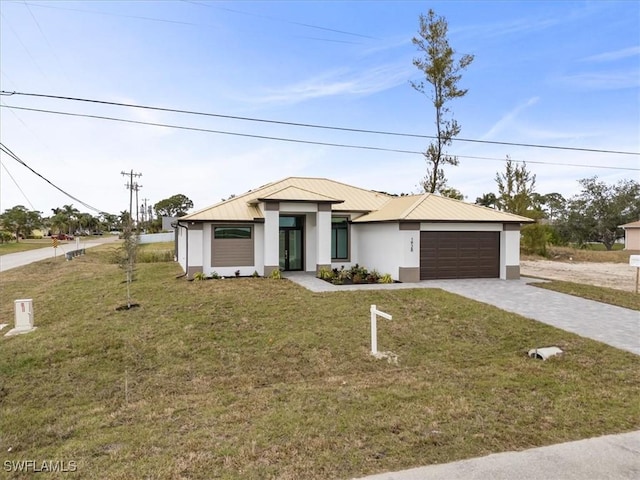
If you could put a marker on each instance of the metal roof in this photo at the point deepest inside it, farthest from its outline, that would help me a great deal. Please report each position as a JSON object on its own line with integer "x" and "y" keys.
{"x": 245, "y": 207}
{"x": 378, "y": 207}
{"x": 295, "y": 194}
{"x": 431, "y": 207}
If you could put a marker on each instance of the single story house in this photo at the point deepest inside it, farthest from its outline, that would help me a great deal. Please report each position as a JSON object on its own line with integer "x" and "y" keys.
{"x": 631, "y": 235}
{"x": 306, "y": 224}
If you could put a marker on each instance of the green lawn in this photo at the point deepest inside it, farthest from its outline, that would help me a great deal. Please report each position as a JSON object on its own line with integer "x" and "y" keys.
{"x": 612, "y": 296}
{"x": 24, "y": 245}
{"x": 259, "y": 378}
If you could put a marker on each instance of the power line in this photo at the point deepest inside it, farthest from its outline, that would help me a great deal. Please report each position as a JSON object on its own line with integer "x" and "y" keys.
{"x": 192, "y": 24}
{"x": 25, "y": 48}
{"x": 7, "y": 151}
{"x": 558, "y": 164}
{"x": 96, "y": 12}
{"x": 46, "y": 40}
{"x": 311, "y": 125}
{"x": 291, "y": 22}
{"x": 293, "y": 140}
{"x": 17, "y": 185}
{"x": 207, "y": 130}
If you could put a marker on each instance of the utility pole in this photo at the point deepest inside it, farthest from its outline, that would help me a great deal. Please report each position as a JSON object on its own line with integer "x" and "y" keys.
{"x": 131, "y": 185}
{"x": 136, "y": 188}
{"x": 143, "y": 210}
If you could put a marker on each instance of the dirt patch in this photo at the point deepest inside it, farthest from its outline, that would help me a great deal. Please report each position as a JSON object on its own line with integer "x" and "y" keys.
{"x": 612, "y": 275}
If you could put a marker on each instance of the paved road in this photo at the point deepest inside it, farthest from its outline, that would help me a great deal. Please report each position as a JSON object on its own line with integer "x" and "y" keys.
{"x": 14, "y": 260}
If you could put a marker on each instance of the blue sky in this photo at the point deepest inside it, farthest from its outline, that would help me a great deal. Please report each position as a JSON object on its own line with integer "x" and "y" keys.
{"x": 552, "y": 73}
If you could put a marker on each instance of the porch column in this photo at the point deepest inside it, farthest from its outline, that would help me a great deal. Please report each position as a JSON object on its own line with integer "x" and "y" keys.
{"x": 510, "y": 251}
{"x": 323, "y": 236}
{"x": 271, "y": 237}
{"x": 409, "y": 271}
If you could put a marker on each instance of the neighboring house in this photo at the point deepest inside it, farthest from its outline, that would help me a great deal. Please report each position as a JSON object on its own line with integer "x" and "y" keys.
{"x": 168, "y": 223}
{"x": 309, "y": 223}
{"x": 631, "y": 235}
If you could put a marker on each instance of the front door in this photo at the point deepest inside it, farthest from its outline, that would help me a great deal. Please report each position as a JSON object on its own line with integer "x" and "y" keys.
{"x": 291, "y": 242}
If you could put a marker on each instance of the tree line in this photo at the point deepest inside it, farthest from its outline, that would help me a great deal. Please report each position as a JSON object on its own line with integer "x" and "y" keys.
{"x": 592, "y": 216}
{"x": 19, "y": 222}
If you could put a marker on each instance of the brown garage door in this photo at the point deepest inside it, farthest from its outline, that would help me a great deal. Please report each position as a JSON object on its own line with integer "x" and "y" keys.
{"x": 459, "y": 255}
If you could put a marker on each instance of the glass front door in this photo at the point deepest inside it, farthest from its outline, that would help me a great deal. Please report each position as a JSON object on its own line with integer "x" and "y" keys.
{"x": 291, "y": 242}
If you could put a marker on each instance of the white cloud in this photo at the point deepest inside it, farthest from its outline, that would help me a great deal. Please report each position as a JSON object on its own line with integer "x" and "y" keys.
{"x": 397, "y": 41}
{"x": 500, "y": 29}
{"x": 602, "y": 80}
{"x": 507, "y": 120}
{"x": 340, "y": 82}
{"x": 614, "y": 55}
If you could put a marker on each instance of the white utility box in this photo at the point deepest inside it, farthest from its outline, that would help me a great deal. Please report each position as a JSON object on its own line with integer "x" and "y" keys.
{"x": 24, "y": 317}
{"x": 24, "y": 314}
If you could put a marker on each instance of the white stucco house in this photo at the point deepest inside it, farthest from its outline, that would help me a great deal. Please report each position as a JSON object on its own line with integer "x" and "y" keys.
{"x": 305, "y": 224}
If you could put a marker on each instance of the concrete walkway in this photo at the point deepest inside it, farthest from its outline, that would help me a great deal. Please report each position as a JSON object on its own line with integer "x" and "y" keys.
{"x": 609, "y": 457}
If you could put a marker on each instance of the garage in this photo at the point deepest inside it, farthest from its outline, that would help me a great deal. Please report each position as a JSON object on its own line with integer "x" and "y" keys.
{"x": 446, "y": 255}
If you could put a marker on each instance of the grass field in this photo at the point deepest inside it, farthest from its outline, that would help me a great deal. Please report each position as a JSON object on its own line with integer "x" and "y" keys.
{"x": 24, "y": 245}
{"x": 259, "y": 378}
{"x": 596, "y": 253}
{"x": 611, "y": 296}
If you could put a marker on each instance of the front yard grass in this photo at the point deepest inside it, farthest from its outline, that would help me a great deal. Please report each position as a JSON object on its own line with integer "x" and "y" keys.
{"x": 611, "y": 296}
{"x": 259, "y": 378}
{"x": 25, "y": 245}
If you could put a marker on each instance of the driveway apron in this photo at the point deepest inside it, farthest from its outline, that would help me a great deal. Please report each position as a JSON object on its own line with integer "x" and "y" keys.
{"x": 610, "y": 324}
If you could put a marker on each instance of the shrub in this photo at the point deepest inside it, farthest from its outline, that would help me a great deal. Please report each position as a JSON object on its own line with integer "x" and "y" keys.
{"x": 5, "y": 237}
{"x": 534, "y": 239}
{"x": 386, "y": 278}
{"x": 275, "y": 274}
{"x": 344, "y": 274}
{"x": 199, "y": 276}
{"x": 373, "y": 276}
{"x": 325, "y": 273}
{"x": 214, "y": 275}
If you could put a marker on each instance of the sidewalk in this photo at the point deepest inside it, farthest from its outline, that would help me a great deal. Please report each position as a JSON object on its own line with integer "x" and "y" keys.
{"x": 613, "y": 457}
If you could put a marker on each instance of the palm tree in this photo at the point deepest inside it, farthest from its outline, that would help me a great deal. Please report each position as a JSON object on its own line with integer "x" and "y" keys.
{"x": 71, "y": 215}
{"x": 58, "y": 221}
{"x": 87, "y": 222}
{"x": 487, "y": 200}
